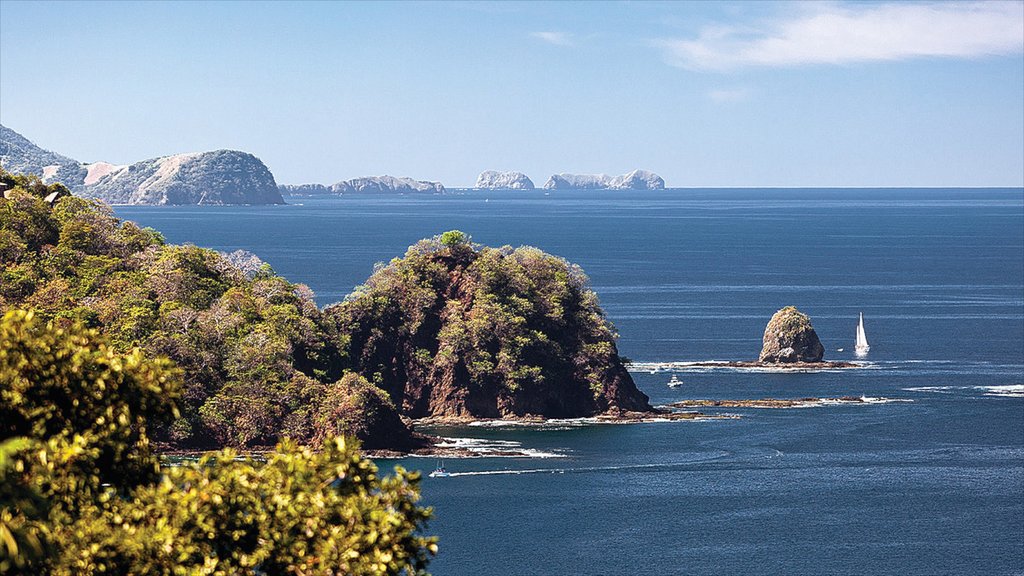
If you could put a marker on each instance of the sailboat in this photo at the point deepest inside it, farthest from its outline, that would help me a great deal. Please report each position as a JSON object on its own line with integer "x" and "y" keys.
{"x": 862, "y": 346}
{"x": 440, "y": 471}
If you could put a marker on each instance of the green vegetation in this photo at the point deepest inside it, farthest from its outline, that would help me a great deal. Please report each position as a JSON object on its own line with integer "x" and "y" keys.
{"x": 255, "y": 357}
{"x": 789, "y": 322}
{"x": 486, "y": 332}
{"x": 451, "y": 329}
{"x": 81, "y": 491}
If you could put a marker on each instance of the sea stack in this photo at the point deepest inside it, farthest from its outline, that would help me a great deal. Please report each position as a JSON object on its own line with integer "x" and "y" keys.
{"x": 789, "y": 338}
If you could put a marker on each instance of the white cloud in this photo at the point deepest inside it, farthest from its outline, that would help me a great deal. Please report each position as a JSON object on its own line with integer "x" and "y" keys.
{"x": 835, "y": 34}
{"x": 556, "y": 38}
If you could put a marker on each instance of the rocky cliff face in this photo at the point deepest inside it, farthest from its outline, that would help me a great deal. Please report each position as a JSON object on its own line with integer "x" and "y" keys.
{"x": 218, "y": 177}
{"x": 386, "y": 184}
{"x": 453, "y": 330}
{"x": 493, "y": 180}
{"x": 789, "y": 337}
{"x": 635, "y": 180}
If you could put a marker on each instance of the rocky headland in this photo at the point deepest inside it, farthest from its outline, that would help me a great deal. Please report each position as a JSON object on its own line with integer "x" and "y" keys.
{"x": 635, "y": 180}
{"x": 460, "y": 332}
{"x": 217, "y": 177}
{"x": 493, "y": 180}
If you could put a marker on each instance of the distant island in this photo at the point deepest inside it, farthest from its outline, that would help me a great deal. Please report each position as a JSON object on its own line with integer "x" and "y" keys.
{"x": 635, "y": 180}
{"x": 493, "y": 180}
{"x": 365, "y": 185}
{"x": 216, "y": 177}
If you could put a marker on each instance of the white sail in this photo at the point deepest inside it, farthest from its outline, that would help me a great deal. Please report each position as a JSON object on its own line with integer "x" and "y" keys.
{"x": 862, "y": 337}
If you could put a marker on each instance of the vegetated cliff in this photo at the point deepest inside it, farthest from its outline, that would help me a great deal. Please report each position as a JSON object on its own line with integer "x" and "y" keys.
{"x": 789, "y": 337}
{"x": 635, "y": 180}
{"x": 257, "y": 359}
{"x": 457, "y": 330}
{"x": 492, "y": 180}
{"x": 218, "y": 177}
{"x": 385, "y": 184}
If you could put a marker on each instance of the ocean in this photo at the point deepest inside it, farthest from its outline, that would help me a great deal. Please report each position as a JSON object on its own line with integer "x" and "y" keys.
{"x": 928, "y": 479}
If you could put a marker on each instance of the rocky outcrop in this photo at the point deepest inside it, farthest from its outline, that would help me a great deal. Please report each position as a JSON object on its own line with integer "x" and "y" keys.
{"x": 493, "y": 180}
{"x": 789, "y": 338}
{"x": 386, "y": 184}
{"x": 459, "y": 331}
{"x": 303, "y": 189}
{"x": 635, "y": 180}
{"x": 218, "y": 177}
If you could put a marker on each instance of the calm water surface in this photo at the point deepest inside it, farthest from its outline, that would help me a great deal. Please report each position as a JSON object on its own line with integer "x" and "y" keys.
{"x": 930, "y": 484}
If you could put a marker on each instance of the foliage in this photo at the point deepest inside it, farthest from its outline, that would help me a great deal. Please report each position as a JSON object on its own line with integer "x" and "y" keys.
{"x": 81, "y": 490}
{"x": 255, "y": 356}
{"x": 515, "y": 331}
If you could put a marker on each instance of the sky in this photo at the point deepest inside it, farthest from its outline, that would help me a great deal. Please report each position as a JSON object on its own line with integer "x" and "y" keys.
{"x": 706, "y": 94}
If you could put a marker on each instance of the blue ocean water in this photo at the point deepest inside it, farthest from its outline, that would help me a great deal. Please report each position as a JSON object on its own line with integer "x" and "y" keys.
{"x": 930, "y": 484}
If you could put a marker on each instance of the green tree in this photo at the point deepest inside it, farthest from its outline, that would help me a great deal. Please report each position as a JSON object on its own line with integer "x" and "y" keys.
{"x": 81, "y": 490}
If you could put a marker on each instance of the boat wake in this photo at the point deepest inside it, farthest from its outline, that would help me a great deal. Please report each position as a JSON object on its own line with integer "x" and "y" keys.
{"x": 586, "y": 469}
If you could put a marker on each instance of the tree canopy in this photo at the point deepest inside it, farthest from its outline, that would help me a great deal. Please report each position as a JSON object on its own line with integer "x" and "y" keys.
{"x": 81, "y": 490}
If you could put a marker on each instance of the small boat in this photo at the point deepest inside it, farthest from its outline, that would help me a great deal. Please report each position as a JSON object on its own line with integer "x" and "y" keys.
{"x": 840, "y": 349}
{"x": 440, "y": 472}
{"x": 862, "y": 346}
{"x": 674, "y": 382}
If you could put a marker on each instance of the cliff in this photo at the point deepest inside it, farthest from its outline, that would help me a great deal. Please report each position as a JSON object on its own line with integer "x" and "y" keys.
{"x": 635, "y": 180}
{"x": 456, "y": 330}
{"x": 493, "y": 180}
{"x": 789, "y": 337}
{"x": 385, "y": 184}
{"x": 218, "y": 177}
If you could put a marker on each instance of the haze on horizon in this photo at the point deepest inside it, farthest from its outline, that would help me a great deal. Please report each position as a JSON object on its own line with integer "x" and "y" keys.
{"x": 704, "y": 94}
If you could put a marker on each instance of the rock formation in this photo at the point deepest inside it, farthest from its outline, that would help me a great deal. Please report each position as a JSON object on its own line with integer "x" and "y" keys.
{"x": 385, "y": 184}
{"x": 303, "y": 189}
{"x": 459, "y": 331}
{"x": 789, "y": 337}
{"x": 635, "y": 180}
{"x": 494, "y": 180}
{"x": 218, "y": 177}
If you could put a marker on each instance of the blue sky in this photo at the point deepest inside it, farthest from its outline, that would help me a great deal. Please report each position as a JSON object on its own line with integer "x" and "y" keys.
{"x": 705, "y": 94}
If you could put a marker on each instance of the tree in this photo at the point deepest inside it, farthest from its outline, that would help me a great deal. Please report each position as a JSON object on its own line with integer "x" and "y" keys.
{"x": 81, "y": 490}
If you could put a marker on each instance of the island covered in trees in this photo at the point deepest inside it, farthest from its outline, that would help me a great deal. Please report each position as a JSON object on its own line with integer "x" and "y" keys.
{"x": 451, "y": 330}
